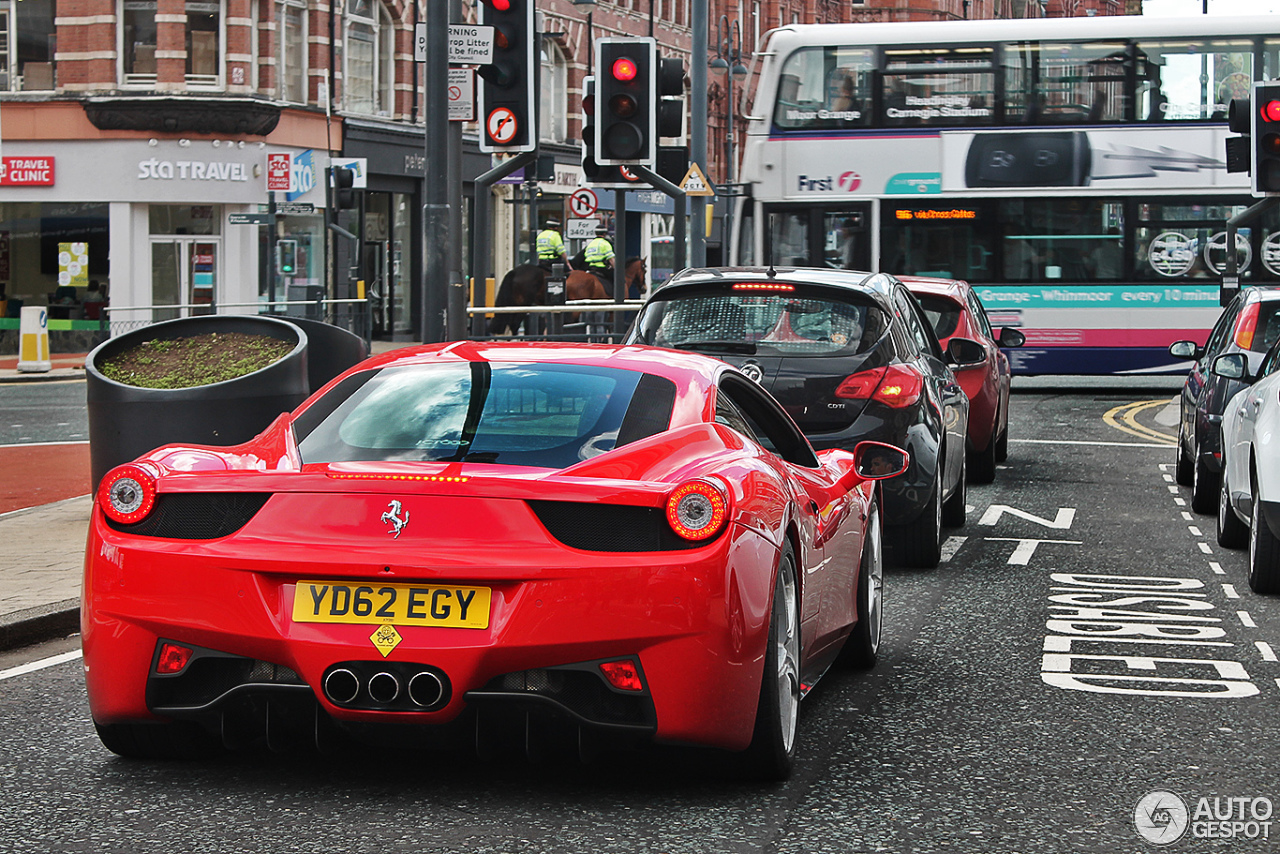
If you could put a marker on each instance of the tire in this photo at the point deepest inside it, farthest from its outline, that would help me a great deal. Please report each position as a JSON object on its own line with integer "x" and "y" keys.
{"x": 918, "y": 544}
{"x": 773, "y": 744}
{"x": 1183, "y": 472}
{"x": 172, "y": 741}
{"x": 982, "y": 464}
{"x": 1002, "y": 445}
{"x": 1232, "y": 533}
{"x": 1264, "y": 553}
{"x": 863, "y": 645}
{"x": 953, "y": 511}
{"x": 1204, "y": 488}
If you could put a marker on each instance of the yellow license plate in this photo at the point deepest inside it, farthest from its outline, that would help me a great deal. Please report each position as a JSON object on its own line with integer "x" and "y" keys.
{"x": 399, "y": 604}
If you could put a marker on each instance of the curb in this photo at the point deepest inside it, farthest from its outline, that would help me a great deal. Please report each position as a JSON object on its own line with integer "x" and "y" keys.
{"x": 41, "y": 623}
{"x": 43, "y": 376}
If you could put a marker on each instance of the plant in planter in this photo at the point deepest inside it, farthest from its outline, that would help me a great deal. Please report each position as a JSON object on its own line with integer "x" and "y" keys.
{"x": 127, "y": 420}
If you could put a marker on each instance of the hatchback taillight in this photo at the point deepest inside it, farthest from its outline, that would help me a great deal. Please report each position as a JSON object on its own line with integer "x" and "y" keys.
{"x": 896, "y": 386}
{"x": 128, "y": 493}
{"x": 1247, "y": 325}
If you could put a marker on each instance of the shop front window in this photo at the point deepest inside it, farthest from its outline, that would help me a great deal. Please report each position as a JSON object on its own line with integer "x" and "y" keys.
{"x": 50, "y": 253}
{"x": 186, "y": 259}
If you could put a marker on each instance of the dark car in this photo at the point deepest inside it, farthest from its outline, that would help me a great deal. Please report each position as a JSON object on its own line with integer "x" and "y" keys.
{"x": 850, "y": 356}
{"x": 1250, "y": 324}
{"x": 954, "y": 309}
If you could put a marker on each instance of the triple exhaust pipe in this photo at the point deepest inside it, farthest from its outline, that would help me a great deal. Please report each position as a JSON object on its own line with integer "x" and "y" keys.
{"x": 424, "y": 689}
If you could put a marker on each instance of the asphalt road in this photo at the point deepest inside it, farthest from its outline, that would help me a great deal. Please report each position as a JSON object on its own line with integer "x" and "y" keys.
{"x": 991, "y": 724}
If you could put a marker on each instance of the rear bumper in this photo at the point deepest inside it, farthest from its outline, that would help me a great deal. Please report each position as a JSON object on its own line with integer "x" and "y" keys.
{"x": 696, "y": 621}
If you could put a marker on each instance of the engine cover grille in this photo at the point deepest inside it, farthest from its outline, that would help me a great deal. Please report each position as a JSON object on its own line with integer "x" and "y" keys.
{"x": 609, "y": 527}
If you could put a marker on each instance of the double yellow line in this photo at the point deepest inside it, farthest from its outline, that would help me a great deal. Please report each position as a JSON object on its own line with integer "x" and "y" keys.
{"x": 1125, "y": 419}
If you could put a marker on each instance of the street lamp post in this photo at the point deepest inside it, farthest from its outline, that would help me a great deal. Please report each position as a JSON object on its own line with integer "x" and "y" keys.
{"x": 728, "y": 63}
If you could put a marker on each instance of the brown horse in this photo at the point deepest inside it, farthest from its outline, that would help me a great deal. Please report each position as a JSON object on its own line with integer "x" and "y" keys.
{"x": 526, "y": 284}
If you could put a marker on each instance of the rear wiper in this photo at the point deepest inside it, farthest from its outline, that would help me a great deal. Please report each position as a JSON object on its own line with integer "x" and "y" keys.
{"x": 745, "y": 347}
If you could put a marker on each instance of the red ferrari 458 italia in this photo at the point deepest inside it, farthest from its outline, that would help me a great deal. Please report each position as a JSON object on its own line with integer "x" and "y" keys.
{"x": 546, "y": 544}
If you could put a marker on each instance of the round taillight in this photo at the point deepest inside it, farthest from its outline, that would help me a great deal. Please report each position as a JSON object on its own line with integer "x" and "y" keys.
{"x": 127, "y": 494}
{"x": 697, "y": 510}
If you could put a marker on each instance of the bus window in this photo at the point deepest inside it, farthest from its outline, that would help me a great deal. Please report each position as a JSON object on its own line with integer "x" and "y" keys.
{"x": 1064, "y": 83}
{"x": 662, "y": 258}
{"x": 825, "y": 88}
{"x": 1054, "y": 239}
{"x": 1193, "y": 80}
{"x": 789, "y": 238}
{"x": 939, "y": 86}
{"x": 951, "y": 241}
{"x": 1186, "y": 239}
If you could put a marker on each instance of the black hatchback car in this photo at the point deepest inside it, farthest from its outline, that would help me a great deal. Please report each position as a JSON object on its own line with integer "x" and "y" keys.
{"x": 851, "y": 357}
{"x": 1249, "y": 324}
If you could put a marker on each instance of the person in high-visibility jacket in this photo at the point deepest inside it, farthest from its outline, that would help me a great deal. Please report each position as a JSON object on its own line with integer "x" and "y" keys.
{"x": 550, "y": 245}
{"x": 599, "y": 253}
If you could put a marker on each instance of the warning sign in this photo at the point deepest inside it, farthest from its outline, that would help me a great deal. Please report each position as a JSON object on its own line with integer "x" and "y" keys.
{"x": 695, "y": 183}
{"x": 386, "y": 638}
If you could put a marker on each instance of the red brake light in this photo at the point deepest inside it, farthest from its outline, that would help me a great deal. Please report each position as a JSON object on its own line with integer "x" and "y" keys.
{"x": 896, "y": 386}
{"x": 623, "y": 675}
{"x": 1246, "y": 325}
{"x": 697, "y": 509}
{"x": 172, "y": 658}
{"x": 624, "y": 69}
{"x": 128, "y": 493}
{"x": 746, "y": 286}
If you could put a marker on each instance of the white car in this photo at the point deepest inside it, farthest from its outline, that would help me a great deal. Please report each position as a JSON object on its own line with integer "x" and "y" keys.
{"x": 1249, "y": 499}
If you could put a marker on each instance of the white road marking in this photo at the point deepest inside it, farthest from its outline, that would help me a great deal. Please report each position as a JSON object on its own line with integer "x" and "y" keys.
{"x": 1246, "y": 619}
{"x": 951, "y": 546}
{"x": 1195, "y": 532}
{"x": 1230, "y": 591}
{"x": 1204, "y": 547}
{"x": 1181, "y": 502}
{"x": 39, "y": 444}
{"x": 1217, "y": 568}
{"x": 1173, "y": 490}
{"x": 33, "y": 666}
{"x": 1168, "y": 478}
{"x": 1186, "y": 517}
{"x": 1268, "y": 654}
{"x": 1093, "y": 444}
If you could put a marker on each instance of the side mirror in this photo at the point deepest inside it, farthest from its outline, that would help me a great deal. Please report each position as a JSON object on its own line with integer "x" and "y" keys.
{"x": 1185, "y": 350}
{"x": 965, "y": 352}
{"x": 1010, "y": 337}
{"x": 1232, "y": 366}
{"x": 877, "y": 461}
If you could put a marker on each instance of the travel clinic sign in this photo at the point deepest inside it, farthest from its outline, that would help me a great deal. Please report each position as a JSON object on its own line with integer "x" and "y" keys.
{"x": 26, "y": 172}
{"x": 191, "y": 170}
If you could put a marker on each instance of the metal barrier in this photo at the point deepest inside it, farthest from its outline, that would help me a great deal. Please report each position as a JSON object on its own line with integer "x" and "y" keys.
{"x": 545, "y": 322}
{"x": 352, "y": 315}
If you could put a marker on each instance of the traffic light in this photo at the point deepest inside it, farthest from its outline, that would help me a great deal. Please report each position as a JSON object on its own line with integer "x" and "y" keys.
{"x": 287, "y": 257}
{"x": 670, "y": 118}
{"x": 626, "y": 104}
{"x": 1239, "y": 148}
{"x": 507, "y": 113}
{"x": 597, "y": 175}
{"x": 1265, "y": 133}
{"x": 344, "y": 179}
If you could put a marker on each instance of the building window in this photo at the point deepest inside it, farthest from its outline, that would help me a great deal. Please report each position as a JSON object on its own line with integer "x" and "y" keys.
{"x": 291, "y": 56}
{"x": 554, "y": 107}
{"x": 138, "y": 42}
{"x": 204, "y": 34}
{"x": 369, "y": 58}
{"x": 27, "y": 44}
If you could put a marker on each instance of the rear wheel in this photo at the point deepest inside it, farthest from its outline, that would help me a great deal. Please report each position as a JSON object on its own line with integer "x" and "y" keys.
{"x": 1264, "y": 553}
{"x": 773, "y": 743}
{"x": 1182, "y": 472}
{"x": 863, "y": 645}
{"x": 953, "y": 512}
{"x": 919, "y": 543}
{"x": 171, "y": 741}
{"x": 1232, "y": 533}
{"x": 1204, "y": 488}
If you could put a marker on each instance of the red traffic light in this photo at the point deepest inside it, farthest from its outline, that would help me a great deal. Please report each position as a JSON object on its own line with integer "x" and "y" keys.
{"x": 499, "y": 5}
{"x": 1271, "y": 111}
{"x": 624, "y": 69}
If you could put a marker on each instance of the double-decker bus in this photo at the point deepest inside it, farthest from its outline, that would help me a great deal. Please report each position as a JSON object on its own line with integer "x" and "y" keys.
{"x": 1072, "y": 169}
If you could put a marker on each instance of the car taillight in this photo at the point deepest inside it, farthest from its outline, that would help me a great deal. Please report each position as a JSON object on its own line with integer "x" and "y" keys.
{"x": 697, "y": 510}
{"x": 128, "y": 493}
{"x": 896, "y": 386}
{"x": 1247, "y": 325}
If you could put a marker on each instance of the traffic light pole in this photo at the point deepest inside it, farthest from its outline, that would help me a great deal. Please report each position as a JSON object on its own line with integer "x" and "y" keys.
{"x": 698, "y": 122}
{"x": 681, "y": 205}
{"x": 456, "y": 300}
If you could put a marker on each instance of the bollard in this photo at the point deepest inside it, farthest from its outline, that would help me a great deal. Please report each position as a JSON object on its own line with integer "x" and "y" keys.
{"x": 33, "y": 347}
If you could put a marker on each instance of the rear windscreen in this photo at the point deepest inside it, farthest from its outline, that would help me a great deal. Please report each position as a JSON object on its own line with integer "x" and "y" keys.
{"x": 943, "y": 314}
{"x": 795, "y": 323}
{"x": 549, "y": 416}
